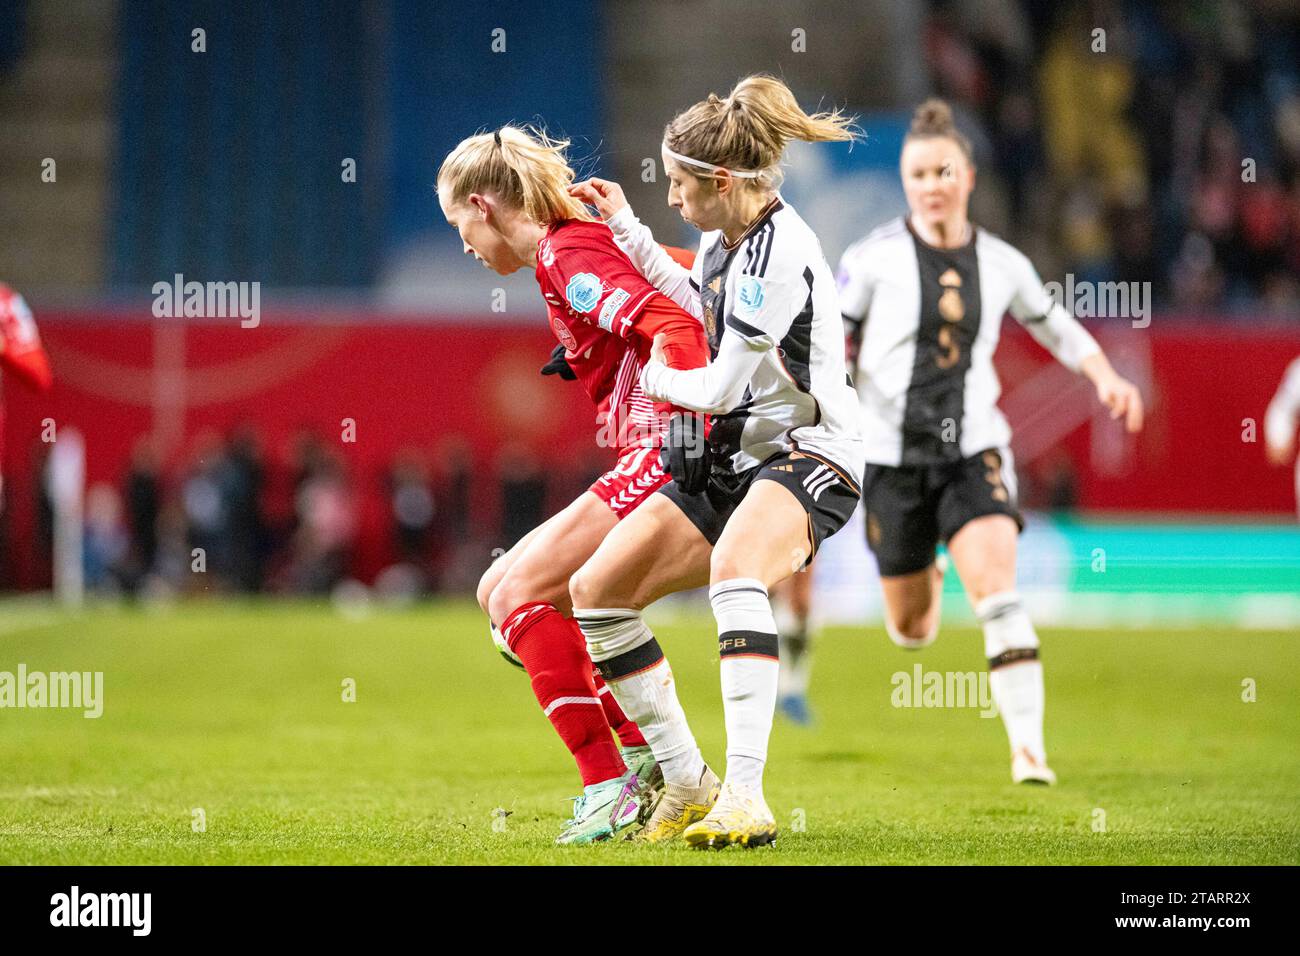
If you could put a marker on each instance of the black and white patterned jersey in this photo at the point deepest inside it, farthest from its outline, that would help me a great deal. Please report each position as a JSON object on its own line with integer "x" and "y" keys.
{"x": 927, "y": 321}
{"x": 777, "y": 381}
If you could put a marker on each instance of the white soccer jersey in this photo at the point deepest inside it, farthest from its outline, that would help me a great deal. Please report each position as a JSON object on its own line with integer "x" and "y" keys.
{"x": 777, "y": 381}
{"x": 928, "y": 321}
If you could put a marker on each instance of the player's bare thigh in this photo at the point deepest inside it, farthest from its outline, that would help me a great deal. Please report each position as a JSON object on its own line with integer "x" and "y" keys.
{"x": 654, "y": 551}
{"x": 984, "y": 553}
{"x": 538, "y": 567}
{"x": 766, "y": 537}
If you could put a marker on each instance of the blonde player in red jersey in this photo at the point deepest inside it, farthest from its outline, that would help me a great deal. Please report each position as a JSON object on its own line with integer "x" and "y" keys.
{"x": 507, "y": 194}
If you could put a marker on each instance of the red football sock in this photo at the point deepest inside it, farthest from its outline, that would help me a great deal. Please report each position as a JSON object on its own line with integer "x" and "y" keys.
{"x": 554, "y": 654}
{"x": 629, "y": 734}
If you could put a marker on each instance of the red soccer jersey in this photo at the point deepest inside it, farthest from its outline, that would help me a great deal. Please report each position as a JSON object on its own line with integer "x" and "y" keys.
{"x": 20, "y": 344}
{"x": 606, "y": 314}
{"x": 20, "y": 347}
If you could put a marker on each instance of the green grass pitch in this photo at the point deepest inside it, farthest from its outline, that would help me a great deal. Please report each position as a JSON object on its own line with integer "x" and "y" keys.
{"x": 236, "y": 710}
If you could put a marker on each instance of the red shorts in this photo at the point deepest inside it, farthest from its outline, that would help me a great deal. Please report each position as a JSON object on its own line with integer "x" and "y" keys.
{"x": 634, "y": 478}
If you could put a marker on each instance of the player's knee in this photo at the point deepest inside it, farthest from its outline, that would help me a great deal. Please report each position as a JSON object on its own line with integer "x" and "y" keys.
{"x": 993, "y": 574}
{"x": 483, "y": 594}
{"x": 593, "y": 587}
{"x": 912, "y": 630}
{"x": 512, "y": 592}
{"x": 725, "y": 566}
{"x": 499, "y": 603}
{"x": 584, "y": 591}
{"x": 982, "y": 586}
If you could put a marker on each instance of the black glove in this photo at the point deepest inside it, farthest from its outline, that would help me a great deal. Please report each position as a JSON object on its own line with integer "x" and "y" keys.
{"x": 558, "y": 365}
{"x": 686, "y": 452}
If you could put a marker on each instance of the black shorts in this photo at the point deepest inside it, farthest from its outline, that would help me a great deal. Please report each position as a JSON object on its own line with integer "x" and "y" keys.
{"x": 826, "y": 492}
{"x": 911, "y": 508}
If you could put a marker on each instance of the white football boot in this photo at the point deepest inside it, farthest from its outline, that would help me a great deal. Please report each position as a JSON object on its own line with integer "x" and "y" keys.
{"x": 1026, "y": 768}
{"x": 739, "y": 818}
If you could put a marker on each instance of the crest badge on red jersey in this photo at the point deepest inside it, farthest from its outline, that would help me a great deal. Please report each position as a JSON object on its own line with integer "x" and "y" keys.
{"x": 563, "y": 334}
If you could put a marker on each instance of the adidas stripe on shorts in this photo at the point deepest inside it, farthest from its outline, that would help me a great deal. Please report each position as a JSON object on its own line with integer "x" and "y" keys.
{"x": 825, "y": 491}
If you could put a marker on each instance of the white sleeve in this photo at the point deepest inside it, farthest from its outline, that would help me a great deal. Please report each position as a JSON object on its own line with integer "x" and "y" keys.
{"x": 1048, "y": 321}
{"x": 855, "y": 285}
{"x": 663, "y": 271}
{"x": 715, "y": 389}
{"x": 764, "y": 310}
{"x": 1280, "y": 419}
{"x": 764, "y": 307}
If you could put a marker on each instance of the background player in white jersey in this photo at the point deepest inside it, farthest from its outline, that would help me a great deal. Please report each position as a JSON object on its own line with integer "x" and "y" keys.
{"x": 1280, "y": 423}
{"x": 792, "y": 606}
{"x": 924, "y": 296}
{"x": 783, "y": 442}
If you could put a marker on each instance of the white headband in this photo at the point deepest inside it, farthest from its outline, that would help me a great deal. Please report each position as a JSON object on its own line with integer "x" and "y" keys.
{"x": 738, "y": 173}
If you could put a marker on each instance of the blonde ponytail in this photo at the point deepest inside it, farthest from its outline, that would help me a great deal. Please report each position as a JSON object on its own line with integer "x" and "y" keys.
{"x": 750, "y": 129}
{"x": 523, "y": 167}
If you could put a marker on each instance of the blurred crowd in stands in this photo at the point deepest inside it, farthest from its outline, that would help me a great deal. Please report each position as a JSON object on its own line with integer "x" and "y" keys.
{"x": 1137, "y": 141}
{"x": 1118, "y": 140}
{"x": 235, "y": 519}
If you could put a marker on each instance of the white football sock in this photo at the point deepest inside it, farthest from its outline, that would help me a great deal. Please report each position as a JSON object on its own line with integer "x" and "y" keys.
{"x": 748, "y": 646}
{"x": 637, "y": 674}
{"x": 1015, "y": 673}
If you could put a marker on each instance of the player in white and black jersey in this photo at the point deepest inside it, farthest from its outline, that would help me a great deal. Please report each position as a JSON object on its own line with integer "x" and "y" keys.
{"x": 784, "y": 446}
{"x": 778, "y": 383}
{"x": 923, "y": 297}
